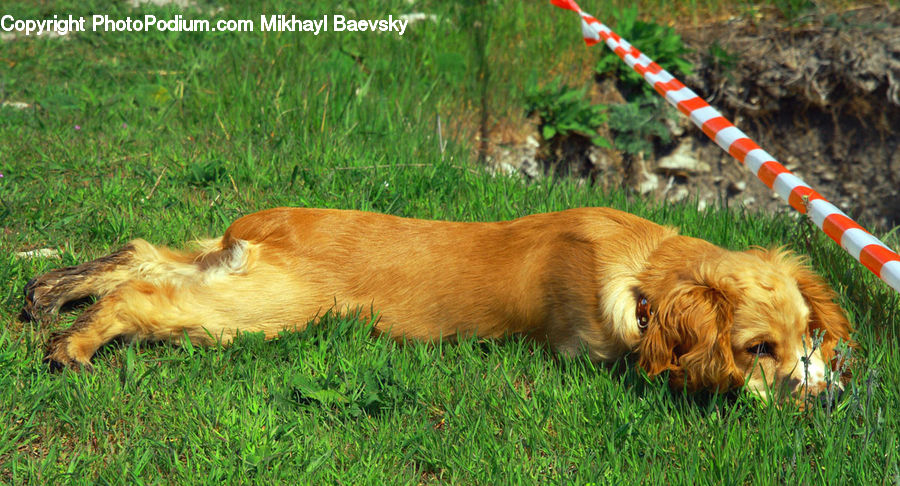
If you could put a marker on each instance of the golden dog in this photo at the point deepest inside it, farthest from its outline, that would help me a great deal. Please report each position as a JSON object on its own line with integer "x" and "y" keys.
{"x": 591, "y": 279}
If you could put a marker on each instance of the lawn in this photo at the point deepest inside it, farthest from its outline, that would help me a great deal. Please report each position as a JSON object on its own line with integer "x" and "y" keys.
{"x": 171, "y": 136}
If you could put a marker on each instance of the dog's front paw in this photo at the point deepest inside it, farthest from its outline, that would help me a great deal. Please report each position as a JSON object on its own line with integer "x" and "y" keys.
{"x": 44, "y": 295}
{"x": 58, "y": 357}
{"x": 37, "y": 306}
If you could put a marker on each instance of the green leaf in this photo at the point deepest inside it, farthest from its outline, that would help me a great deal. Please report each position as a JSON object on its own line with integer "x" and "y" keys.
{"x": 549, "y": 132}
{"x": 601, "y": 142}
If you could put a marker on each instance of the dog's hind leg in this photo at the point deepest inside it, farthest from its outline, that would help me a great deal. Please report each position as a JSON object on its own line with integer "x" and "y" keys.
{"x": 218, "y": 294}
{"x": 47, "y": 293}
{"x": 136, "y": 309}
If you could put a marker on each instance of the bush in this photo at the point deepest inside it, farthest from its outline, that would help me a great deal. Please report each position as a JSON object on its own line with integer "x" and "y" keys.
{"x": 636, "y": 124}
{"x": 565, "y": 110}
{"x": 658, "y": 42}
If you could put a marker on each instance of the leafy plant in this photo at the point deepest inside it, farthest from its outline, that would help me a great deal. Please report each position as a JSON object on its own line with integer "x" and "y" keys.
{"x": 636, "y": 124}
{"x": 205, "y": 173}
{"x": 565, "y": 110}
{"x": 659, "y": 42}
{"x": 794, "y": 11}
{"x": 723, "y": 60}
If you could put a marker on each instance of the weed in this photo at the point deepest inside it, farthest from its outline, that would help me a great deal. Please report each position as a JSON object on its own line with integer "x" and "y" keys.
{"x": 723, "y": 60}
{"x": 205, "y": 173}
{"x": 565, "y": 110}
{"x": 658, "y": 42}
{"x": 637, "y": 124}
{"x": 795, "y": 11}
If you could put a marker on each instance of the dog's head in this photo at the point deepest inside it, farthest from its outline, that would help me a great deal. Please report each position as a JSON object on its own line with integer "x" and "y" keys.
{"x": 760, "y": 318}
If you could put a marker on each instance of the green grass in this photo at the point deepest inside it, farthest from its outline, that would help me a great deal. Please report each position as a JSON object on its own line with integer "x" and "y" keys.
{"x": 180, "y": 134}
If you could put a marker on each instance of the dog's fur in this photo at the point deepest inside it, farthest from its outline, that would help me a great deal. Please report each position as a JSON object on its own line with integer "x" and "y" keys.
{"x": 574, "y": 279}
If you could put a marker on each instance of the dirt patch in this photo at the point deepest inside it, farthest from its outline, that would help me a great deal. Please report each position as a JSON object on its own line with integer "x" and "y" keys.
{"x": 823, "y": 98}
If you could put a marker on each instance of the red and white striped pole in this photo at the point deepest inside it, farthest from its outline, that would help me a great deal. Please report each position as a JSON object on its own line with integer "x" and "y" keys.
{"x": 862, "y": 245}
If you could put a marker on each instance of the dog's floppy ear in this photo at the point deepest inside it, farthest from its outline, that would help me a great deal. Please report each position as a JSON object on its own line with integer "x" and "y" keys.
{"x": 690, "y": 336}
{"x": 825, "y": 315}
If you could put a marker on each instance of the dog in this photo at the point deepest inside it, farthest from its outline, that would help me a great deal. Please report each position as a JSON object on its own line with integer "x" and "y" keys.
{"x": 594, "y": 280}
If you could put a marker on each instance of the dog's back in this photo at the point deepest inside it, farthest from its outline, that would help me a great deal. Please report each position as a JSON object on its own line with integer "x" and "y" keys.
{"x": 541, "y": 274}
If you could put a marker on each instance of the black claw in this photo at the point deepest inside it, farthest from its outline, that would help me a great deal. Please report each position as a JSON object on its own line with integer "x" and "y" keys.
{"x": 29, "y": 314}
{"x": 36, "y": 308}
{"x": 29, "y": 288}
{"x": 55, "y": 366}
{"x": 26, "y": 316}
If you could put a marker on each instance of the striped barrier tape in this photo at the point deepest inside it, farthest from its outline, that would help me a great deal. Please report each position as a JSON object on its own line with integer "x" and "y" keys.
{"x": 862, "y": 245}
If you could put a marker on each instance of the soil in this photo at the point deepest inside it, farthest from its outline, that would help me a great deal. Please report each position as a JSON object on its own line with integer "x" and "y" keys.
{"x": 822, "y": 97}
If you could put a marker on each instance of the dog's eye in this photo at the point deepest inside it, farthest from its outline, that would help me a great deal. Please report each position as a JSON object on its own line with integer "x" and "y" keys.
{"x": 761, "y": 349}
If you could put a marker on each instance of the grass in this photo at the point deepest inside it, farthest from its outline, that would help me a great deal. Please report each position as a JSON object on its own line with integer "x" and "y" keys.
{"x": 180, "y": 134}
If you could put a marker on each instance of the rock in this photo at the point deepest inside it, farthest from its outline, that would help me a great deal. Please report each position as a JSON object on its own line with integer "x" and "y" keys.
{"x": 18, "y": 34}
{"x": 791, "y": 163}
{"x": 679, "y": 194}
{"x": 40, "y": 253}
{"x": 644, "y": 181}
{"x": 415, "y": 17}
{"x": 648, "y": 182}
{"x": 15, "y": 105}
{"x": 531, "y": 168}
{"x": 682, "y": 159}
{"x": 518, "y": 159}
{"x": 736, "y": 187}
{"x": 677, "y": 125}
{"x": 507, "y": 169}
{"x": 599, "y": 158}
